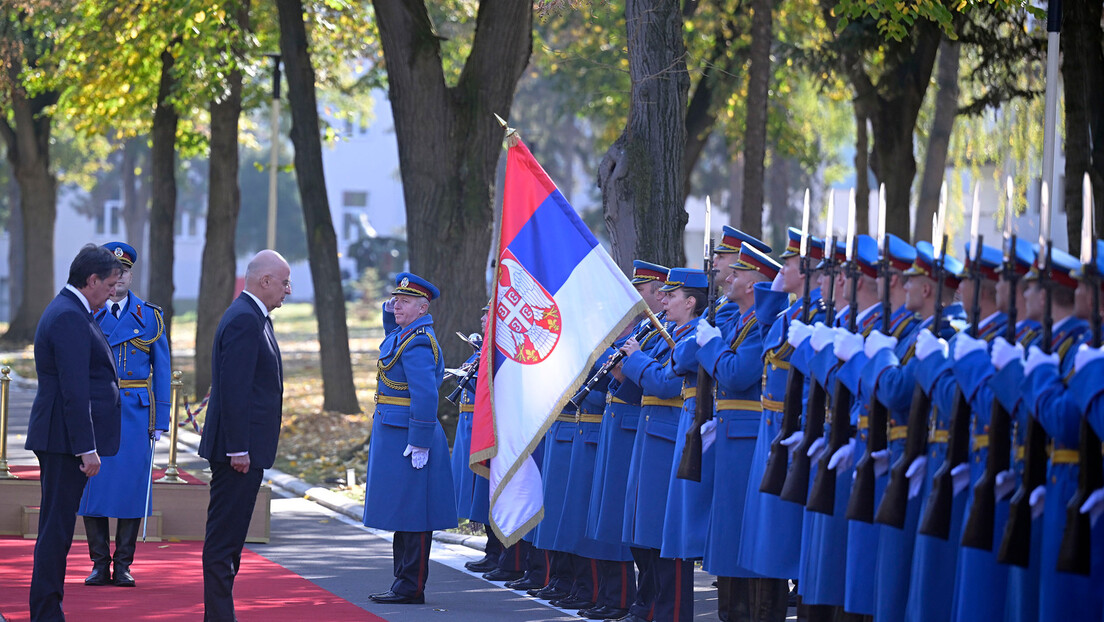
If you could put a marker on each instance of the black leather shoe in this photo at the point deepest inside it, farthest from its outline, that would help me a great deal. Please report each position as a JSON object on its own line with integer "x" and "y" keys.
{"x": 549, "y": 593}
{"x": 391, "y": 598}
{"x": 524, "y": 584}
{"x": 483, "y": 565}
{"x": 604, "y": 612}
{"x": 101, "y": 575}
{"x": 499, "y": 574}
{"x": 122, "y": 577}
{"x": 571, "y": 602}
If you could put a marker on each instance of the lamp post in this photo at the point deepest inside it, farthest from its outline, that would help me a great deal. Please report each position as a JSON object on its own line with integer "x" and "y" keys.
{"x": 274, "y": 151}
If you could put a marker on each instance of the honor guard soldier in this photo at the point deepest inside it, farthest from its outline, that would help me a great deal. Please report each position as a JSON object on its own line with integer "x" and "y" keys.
{"x": 768, "y": 546}
{"x": 135, "y": 330}
{"x": 671, "y": 584}
{"x": 725, "y": 253}
{"x": 409, "y": 483}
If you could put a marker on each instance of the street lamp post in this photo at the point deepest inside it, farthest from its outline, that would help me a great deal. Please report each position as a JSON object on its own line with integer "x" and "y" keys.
{"x": 274, "y": 151}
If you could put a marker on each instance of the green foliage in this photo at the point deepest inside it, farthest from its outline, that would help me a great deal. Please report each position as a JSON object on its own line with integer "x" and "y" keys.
{"x": 894, "y": 18}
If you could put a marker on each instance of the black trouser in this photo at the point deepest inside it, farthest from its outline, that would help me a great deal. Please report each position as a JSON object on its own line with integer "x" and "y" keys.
{"x": 758, "y": 600}
{"x": 643, "y": 606}
{"x": 537, "y": 565}
{"x": 233, "y": 496}
{"x": 616, "y": 584}
{"x": 62, "y": 484}
{"x": 674, "y": 588}
{"x": 512, "y": 558}
{"x": 584, "y": 578}
{"x": 411, "y": 556}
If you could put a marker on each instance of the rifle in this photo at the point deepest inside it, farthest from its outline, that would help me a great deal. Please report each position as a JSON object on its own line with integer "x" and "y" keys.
{"x": 1075, "y": 552}
{"x": 893, "y": 509}
{"x": 690, "y": 464}
{"x": 796, "y": 487}
{"x": 475, "y": 340}
{"x": 1015, "y": 545}
{"x": 822, "y": 496}
{"x": 641, "y": 333}
{"x": 978, "y": 533}
{"x": 860, "y": 506}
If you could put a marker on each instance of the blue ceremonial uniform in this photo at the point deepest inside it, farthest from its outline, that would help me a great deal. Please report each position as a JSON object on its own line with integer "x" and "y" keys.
{"x": 141, "y": 350}
{"x": 472, "y": 490}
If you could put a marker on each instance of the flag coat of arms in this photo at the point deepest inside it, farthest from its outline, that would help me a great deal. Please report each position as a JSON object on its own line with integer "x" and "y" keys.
{"x": 558, "y": 299}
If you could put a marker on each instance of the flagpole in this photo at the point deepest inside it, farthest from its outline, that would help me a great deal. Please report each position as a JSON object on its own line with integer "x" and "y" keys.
{"x": 659, "y": 327}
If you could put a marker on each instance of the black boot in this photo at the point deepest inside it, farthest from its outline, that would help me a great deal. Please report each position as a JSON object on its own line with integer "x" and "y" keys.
{"x": 126, "y": 539}
{"x": 99, "y": 549}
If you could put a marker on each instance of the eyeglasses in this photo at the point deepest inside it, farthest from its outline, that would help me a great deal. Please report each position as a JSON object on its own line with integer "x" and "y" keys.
{"x": 286, "y": 283}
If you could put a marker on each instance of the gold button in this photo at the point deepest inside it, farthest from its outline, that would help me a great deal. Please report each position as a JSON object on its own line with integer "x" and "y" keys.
{"x": 646, "y": 417}
{"x": 720, "y": 419}
{"x": 135, "y": 331}
{"x": 126, "y": 392}
{"x": 130, "y": 373}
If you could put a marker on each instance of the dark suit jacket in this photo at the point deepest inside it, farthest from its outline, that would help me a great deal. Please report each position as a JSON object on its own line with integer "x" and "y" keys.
{"x": 247, "y": 388}
{"x": 76, "y": 408}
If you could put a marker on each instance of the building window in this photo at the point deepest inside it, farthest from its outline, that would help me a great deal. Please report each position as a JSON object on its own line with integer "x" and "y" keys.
{"x": 107, "y": 221}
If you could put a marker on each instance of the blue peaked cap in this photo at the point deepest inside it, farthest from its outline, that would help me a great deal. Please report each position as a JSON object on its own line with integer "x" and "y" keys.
{"x": 410, "y": 284}
{"x": 685, "y": 277}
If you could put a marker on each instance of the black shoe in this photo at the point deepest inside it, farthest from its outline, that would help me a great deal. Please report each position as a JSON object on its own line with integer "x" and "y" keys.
{"x": 499, "y": 574}
{"x": 572, "y": 602}
{"x": 535, "y": 591}
{"x": 101, "y": 575}
{"x": 523, "y": 584}
{"x": 122, "y": 577}
{"x": 549, "y": 593}
{"x": 483, "y": 565}
{"x": 391, "y": 598}
{"x": 604, "y": 612}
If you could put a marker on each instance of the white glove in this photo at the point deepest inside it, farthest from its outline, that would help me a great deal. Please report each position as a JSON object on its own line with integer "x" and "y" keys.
{"x": 915, "y": 475}
{"x": 965, "y": 344}
{"x": 1085, "y": 355}
{"x": 928, "y": 344}
{"x": 881, "y": 462}
{"x": 799, "y": 332}
{"x": 389, "y": 305}
{"x": 960, "y": 477}
{"x": 707, "y": 332}
{"x": 817, "y": 449}
{"x": 822, "y": 336}
{"x": 1038, "y": 501}
{"x": 848, "y": 344}
{"x": 157, "y": 435}
{"x": 1036, "y": 359}
{"x": 1094, "y": 506}
{"x": 842, "y": 459}
{"x": 419, "y": 456}
{"x": 708, "y": 434}
{"x": 792, "y": 441}
{"x": 1004, "y": 353}
{"x": 877, "y": 341}
{"x": 1006, "y": 483}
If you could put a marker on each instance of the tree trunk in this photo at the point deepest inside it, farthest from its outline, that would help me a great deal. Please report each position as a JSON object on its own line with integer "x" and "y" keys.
{"x": 1083, "y": 77}
{"x": 862, "y": 175}
{"x": 449, "y": 145}
{"x": 218, "y": 270}
{"x": 163, "y": 194}
{"x": 135, "y": 204}
{"x": 16, "y": 252}
{"x": 939, "y": 139}
{"x": 779, "y": 183}
{"x": 755, "y": 132}
{"x": 640, "y": 175}
{"x": 339, "y": 393}
{"x": 26, "y": 131}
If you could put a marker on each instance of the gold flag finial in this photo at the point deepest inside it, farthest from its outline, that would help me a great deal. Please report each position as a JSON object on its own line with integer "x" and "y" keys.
{"x": 511, "y": 137}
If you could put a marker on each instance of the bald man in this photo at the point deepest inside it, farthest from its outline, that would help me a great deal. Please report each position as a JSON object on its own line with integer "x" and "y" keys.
{"x": 243, "y": 423}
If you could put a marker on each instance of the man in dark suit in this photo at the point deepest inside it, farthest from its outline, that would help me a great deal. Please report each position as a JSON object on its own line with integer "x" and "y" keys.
{"x": 243, "y": 423}
{"x": 74, "y": 418}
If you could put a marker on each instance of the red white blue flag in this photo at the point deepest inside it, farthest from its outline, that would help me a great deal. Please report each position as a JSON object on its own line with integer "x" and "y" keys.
{"x": 558, "y": 299}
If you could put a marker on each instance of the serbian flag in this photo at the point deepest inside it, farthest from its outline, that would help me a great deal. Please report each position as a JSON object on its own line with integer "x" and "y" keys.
{"x": 558, "y": 301}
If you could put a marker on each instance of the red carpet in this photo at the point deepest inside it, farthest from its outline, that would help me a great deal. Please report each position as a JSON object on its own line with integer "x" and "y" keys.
{"x": 170, "y": 587}
{"x": 30, "y": 471}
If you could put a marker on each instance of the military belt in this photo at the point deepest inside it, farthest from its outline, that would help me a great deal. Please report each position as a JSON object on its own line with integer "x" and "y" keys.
{"x": 589, "y": 418}
{"x": 774, "y": 405}
{"x": 134, "y": 384}
{"x": 1065, "y": 456}
{"x": 610, "y": 399}
{"x": 864, "y": 422}
{"x": 566, "y": 418}
{"x": 981, "y": 441}
{"x": 392, "y": 400}
{"x": 938, "y": 436}
{"x": 467, "y": 408}
{"x": 898, "y": 432}
{"x": 1020, "y": 453}
{"x": 739, "y": 405}
{"x": 689, "y": 392}
{"x": 651, "y": 400}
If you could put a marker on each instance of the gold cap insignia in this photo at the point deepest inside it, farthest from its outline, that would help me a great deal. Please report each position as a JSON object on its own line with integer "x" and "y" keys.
{"x": 118, "y": 252}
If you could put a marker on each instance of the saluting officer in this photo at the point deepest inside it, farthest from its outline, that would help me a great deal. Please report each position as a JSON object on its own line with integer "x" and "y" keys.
{"x": 409, "y": 483}
{"x": 135, "y": 330}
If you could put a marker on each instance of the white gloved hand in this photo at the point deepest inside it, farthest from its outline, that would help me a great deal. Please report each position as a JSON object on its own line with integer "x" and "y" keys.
{"x": 1085, "y": 355}
{"x": 776, "y": 284}
{"x": 844, "y": 456}
{"x": 817, "y": 449}
{"x": 848, "y": 344}
{"x": 965, "y": 345}
{"x": 960, "y": 478}
{"x": 1094, "y": 506}
{"x": 1038, "y": 501}
{"x": 419, "y": 456}
{"x": 928, "y": 344}
{"x": 1006, "y": 484}
{"x": 157, "y": 435}
{"x": 877, "y": 341}
{"x": 822, "y": 336}
{"x": 881, "y": 462}
{"x": 1036, "y": 359}
{"x": 915, "y": 475}
{"x": 708, "y": 434}
{"x": 389, "y": 305}
{"x": 799, "y": 332}
{"x": 1004, "y": 353}
{"x": 707, "y": 332}
{"x": 792, "y": 441}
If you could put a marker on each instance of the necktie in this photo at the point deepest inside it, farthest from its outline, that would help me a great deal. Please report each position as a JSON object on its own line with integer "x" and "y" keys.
{"x": 115, "y": 310}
